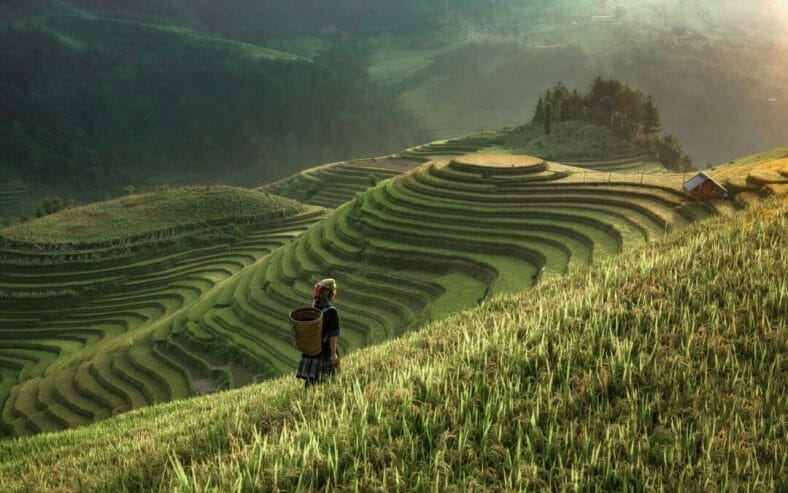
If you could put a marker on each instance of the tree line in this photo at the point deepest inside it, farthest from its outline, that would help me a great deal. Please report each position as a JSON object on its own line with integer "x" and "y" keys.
{"x": 614, "y": 104}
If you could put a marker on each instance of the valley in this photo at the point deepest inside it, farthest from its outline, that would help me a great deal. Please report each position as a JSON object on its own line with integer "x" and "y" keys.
{"x": 553, "y": 233}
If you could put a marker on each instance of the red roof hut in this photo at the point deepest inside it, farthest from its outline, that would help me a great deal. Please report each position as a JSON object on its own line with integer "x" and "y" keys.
{"x": 703, "y": 187}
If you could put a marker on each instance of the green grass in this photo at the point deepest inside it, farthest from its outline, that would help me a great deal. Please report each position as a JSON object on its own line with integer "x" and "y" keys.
{"x": 334, "y": 184}
{"x": 145, "y": 214}
{"x": 771, "y": 155}
{"x": 437, "y": 239}
{"x": 765, "y": 173}
{"x": 638, "y": 164}
{"x": 420, "y": 244}
{"x": 569, "y": 141}
{"x": 70, "y": 29}
{"x": 653, "y": 370}
{"x": 122, "y": 322}
{"x": 452, "y": 147}
{"x": 440, "y": 198}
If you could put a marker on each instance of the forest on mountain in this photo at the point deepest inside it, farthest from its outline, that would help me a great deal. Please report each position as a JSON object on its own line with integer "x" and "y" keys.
{"x": 99, "y": 95}
{"x": 284, "y": 18}
{"x": 618, "y": 106}
{"x": 122, "y": 99}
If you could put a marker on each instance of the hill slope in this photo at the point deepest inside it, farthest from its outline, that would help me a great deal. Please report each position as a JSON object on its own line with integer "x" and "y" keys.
{"x": 85, "y": 294}
{"x": 92, "y": 104}
{"x": 716, "y": 69}
{"x": 761, "y": 173}
{"x": 576, "y": 143}
{"x": 437, "y": 239}
{"x": 98, "y": 95}
{"x": 195, "y": 307}
{"x": 654, "y": 370}
{"x": 331, "y": 185}
{"x": 145, "y": 214}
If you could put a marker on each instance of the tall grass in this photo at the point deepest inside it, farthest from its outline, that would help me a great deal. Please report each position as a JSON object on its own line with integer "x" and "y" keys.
{"x": 661, "y": 369}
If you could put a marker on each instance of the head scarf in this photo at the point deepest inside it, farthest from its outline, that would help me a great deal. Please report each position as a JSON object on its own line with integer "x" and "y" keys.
{"x": 329, "y": 284}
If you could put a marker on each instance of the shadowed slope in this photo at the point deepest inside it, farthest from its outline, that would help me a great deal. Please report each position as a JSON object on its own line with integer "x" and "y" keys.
{"x": 617, "y": 376}
{"x": 85, "y": 326}
{"x": 436, "y": 239}
{"x": 331, "y": 185}
{"x": 12, "y": 196}
{"x": 98, "y": 328}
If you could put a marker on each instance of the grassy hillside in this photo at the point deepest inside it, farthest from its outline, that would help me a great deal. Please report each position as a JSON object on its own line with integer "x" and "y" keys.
{"x": 331, "y": 185}
{"x": 579, "y": 144}
{"x": 717, "y": 70}
{"x": 653, "y": 370}
{"x": 570, "y": 140}
{"x": 93, "y": 104}
{"x": 87, "y": 297}
{"x": 440, "y": 238}
{"x": 144, "y": 214}
{"x": 98, "y": 95}
{"x": 169, "y": 310}
{"x": 498, "y": 81}
{"x": 239, "y": 19}
{"x": 575, "y": 143}
{"x": 760, "y": 173}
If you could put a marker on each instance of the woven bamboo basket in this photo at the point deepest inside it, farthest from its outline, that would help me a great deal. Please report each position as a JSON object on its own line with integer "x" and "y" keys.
{"x": 307, "y": 326}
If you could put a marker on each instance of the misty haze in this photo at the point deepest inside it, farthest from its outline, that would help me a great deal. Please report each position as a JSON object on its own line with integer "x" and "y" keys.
{"x": 393, "y": 245}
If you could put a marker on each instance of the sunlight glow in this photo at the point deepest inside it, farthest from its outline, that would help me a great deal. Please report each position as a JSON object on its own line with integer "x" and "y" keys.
{"x": 780, "y": 12}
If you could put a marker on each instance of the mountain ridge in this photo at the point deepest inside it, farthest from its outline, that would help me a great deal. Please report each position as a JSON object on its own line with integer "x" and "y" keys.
{"x": 436, "y": 73}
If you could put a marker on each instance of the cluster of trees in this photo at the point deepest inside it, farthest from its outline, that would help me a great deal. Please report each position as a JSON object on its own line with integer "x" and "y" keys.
{"x": 52, "y": 205}
{"x": 616, "y": 105}
{"x": 118, "y": 100}
{"x": 49, "y": 206}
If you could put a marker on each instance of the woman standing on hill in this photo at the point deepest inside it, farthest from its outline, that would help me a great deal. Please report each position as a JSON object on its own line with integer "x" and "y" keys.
{"x": 313, "y": 368}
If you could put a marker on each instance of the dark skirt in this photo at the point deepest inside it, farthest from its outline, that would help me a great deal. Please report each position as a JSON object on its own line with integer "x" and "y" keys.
{"x": 314, "y": 368}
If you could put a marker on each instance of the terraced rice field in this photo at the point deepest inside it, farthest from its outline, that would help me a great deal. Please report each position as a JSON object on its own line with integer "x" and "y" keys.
{"x": 434, "y": 240}
{"x": 452, "y": 147}
{"x": 82, "y": 339}
{"x": 642, "y": 163}
{"x": 89, "y": 333}
{"x": 11, "y": 196}
{"x": 765, "y": 173}
{"x": 332, "y": 185}
{"x": 635, "y": 163}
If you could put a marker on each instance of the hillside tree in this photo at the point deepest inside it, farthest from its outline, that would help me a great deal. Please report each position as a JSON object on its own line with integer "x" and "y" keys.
{"x": 613, "y": 104}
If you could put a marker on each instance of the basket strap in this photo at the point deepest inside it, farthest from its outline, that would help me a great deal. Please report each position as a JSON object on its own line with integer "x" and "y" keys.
{"x": 324, "y": 310}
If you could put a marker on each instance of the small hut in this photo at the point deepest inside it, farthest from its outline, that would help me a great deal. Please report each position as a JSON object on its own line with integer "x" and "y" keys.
{"x": 703, "y": 187}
